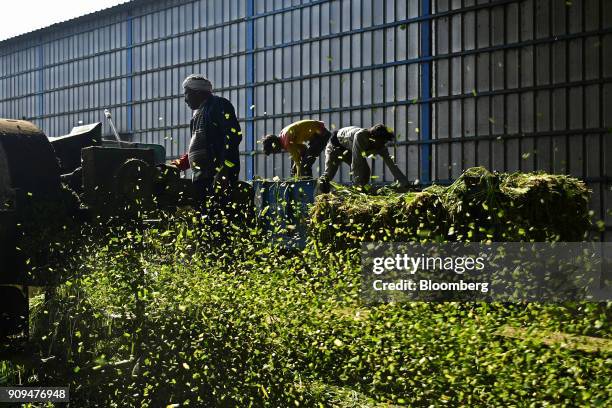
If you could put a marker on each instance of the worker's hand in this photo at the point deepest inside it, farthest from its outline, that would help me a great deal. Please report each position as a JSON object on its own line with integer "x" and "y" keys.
{"x": 364, "y": 188}
{"x": 405, "y": 185}
{"x": 324, "y": 185}
{"x": 182, "y": 163}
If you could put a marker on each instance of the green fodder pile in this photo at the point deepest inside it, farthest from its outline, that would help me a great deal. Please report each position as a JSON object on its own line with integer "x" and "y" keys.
{"x": 478, "y": 206}
{"x": 178, "y": 315}
{"x": 198, "y": 311}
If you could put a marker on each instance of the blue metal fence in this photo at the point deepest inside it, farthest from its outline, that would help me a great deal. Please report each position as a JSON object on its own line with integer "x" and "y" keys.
{"x": 425, "y": 157}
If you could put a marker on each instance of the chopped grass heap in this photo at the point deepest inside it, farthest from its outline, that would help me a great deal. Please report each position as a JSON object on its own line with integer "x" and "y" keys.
{"x": 197, "y": 310}
{"x": 478, "y": 206}
{"x": 176, "y": 316}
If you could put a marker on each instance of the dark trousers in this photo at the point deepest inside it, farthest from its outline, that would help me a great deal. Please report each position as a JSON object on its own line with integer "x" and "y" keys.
{"x": 312, "y": 152}
{"x": 225, "y": 202}
{"x": 226, "y": 211}
{"x": 335, "y": 154}
{"x": 203, "y": 190}
{"x": 207, "y": 199}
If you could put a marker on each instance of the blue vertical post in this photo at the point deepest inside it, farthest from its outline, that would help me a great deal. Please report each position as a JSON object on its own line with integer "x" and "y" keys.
{"x": 41, "y": 80}
{"x": 426, "y": 92}
{"x": 250, "y": 91}
{"x": 130, "y": 53}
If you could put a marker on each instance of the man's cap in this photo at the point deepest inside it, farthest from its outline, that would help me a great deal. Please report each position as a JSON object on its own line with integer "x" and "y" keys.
{"x": 197, "y": 82}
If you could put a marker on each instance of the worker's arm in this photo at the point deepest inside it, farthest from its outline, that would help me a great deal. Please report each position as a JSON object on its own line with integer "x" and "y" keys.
{"x": 295, "y": 150}
{"x": 232, "y": 136}
{"x": 182, "y": 163}
{"x": 397, "y": 173}
{"x": 359, "y": 164}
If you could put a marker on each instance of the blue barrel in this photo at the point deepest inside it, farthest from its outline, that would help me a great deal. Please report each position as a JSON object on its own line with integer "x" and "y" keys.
{"x": 282, "y": 208}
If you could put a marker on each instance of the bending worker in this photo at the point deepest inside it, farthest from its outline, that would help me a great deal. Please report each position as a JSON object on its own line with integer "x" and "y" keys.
{"x": 293, "y": 139}
{"x": 353, "y": 145}
{"x": 215, "y": 135}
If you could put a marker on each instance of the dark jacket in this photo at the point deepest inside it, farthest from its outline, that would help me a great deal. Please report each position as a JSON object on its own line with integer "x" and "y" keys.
{"x": 215, "y": 137}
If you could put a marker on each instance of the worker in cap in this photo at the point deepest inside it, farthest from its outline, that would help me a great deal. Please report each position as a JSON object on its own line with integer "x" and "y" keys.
{"x": 353, "y": 145}
{"x": 215, "y": 136}
{"x": 305, "y": 140}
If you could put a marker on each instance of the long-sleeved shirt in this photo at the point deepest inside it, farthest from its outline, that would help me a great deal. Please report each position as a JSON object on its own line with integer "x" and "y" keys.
{"x": 294, "y": 136}
{"x": 216, "y": 135}
{"x": 356, "y": 140}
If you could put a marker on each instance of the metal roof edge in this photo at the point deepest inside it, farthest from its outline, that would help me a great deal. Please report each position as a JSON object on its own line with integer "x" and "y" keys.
{"x": 126, "y": 5}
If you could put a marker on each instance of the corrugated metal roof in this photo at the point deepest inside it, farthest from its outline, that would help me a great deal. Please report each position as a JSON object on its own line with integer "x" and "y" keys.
{"x": 95, "y": 14}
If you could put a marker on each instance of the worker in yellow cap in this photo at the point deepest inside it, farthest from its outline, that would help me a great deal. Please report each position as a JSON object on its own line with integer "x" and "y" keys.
{"x": 305, "y": 140}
